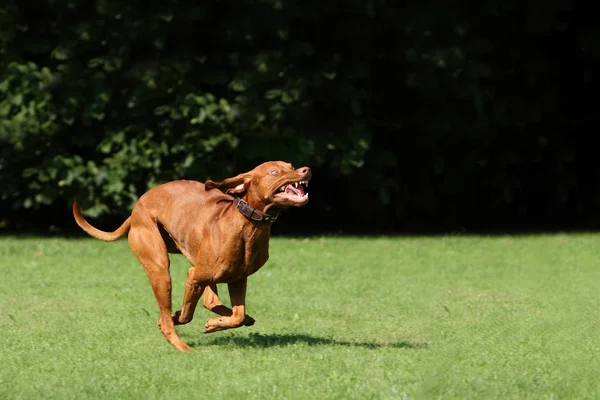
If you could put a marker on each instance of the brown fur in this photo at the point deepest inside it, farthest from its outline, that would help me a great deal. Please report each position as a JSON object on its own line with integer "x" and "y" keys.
{"x": 222, "y": 245}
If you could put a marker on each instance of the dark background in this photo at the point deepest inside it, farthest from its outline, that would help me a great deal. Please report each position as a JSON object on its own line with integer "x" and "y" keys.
{"x": 438, "y": 116}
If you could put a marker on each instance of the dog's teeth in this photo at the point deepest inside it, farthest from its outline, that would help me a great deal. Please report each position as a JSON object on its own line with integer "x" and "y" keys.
{"x": 306, "y": 194}
{"x": 296, "y": 184}
{"x": 306, "y": 183}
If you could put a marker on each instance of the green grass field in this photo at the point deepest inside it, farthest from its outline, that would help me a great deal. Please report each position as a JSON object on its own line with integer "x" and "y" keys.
{"x": 337, "y": 318}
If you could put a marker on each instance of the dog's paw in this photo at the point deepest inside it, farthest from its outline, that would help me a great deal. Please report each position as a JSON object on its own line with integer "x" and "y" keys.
{"x": 210, "y": 326}
{"x": 249, "y": 321}
{"x": 176, "y": 320}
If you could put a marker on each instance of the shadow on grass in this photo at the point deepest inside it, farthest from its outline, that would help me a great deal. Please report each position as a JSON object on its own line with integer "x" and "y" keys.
{"x": 276, "y": 340}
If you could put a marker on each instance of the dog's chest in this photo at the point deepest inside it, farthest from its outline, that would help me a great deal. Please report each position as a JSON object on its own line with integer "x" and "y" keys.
{"x": 241, "y": 260}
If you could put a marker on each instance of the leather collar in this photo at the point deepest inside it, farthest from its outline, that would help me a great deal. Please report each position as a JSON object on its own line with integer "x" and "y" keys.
{"x": 252, "y": 213}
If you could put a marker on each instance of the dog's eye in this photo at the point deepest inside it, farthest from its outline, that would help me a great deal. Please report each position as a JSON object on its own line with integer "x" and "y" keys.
{"x": 275, "y": 172}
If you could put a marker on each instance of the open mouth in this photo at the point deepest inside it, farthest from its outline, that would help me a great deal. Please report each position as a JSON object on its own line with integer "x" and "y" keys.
{"x": 293, "y": 191}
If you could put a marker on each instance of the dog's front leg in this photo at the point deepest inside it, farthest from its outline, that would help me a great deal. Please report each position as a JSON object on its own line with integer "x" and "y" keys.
{"x": 237, "y": 294}
{"x": 214, "y": 304}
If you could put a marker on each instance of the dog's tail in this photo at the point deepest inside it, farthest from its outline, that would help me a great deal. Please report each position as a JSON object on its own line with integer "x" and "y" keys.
{"x": 97, "y": 233}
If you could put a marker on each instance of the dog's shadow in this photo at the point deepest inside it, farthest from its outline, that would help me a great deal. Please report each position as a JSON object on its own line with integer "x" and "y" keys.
{"x": 282, "y": 340}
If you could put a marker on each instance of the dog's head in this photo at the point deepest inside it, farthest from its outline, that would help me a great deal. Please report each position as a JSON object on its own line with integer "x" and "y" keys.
{"x": 274, "y": 183}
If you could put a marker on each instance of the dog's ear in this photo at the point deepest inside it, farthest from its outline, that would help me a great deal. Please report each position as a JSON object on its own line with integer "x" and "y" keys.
{"x": 237, "y": 184}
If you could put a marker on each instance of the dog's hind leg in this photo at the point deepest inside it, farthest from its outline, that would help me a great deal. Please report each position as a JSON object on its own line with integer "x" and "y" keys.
{"x": 148, "y": 246}
{"x": 214, "y": 304}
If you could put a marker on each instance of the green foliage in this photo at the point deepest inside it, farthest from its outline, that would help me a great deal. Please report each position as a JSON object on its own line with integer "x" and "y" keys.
{"x": 28, "y": 128}
{"x": 122, "y": 100}
{"x": 426, "y": 109}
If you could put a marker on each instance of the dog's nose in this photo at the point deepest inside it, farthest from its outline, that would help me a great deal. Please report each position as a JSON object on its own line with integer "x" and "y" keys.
{"x": 305, "y": 171}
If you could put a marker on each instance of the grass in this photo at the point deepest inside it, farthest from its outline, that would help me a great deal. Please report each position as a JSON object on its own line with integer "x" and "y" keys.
{"x": 337, "y": 318}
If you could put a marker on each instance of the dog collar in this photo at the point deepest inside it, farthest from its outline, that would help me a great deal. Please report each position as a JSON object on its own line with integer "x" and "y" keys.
{"x": 252, "y": 213}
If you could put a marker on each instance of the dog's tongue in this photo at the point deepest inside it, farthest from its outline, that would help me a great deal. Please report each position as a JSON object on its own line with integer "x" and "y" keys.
{"x": 291, "y": 189}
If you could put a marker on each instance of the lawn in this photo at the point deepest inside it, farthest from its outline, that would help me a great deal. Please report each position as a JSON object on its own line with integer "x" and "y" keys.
{"x": 448, "y": 317}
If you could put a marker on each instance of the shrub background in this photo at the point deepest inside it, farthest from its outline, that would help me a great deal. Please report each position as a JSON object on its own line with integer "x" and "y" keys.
{"x": 429, "y": 116}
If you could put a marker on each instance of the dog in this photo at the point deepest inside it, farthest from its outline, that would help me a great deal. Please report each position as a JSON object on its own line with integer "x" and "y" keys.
{"x": 221, "y": 228}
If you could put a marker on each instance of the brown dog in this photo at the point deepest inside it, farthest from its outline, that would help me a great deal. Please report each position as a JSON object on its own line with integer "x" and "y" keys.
{"x": 224, "y": 237}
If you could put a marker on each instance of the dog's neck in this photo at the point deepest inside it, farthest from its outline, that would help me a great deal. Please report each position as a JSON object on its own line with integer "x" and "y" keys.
{"x": 252, "y": 213}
